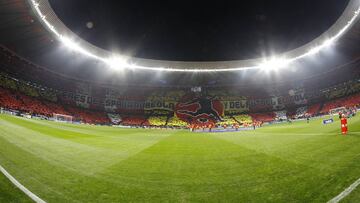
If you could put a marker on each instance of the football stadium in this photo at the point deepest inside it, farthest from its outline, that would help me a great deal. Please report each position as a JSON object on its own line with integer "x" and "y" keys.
{"x": 149, "y": 101}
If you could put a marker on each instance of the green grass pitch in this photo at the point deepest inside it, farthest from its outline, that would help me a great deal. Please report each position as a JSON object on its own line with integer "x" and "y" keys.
{"x": 296, "y": 162}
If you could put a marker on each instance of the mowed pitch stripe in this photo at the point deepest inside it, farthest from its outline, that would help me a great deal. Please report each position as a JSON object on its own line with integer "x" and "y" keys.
{"x": 192, "y": 167}
{"x": 21, "y": 187}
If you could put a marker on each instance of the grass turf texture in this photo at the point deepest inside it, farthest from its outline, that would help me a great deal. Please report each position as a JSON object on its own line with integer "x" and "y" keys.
{"x": 9, "y": 192}
{"x": 296, "y": 162}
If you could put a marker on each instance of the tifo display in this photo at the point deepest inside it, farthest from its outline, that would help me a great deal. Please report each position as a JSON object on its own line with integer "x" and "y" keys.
{"x": 79, "y": 102}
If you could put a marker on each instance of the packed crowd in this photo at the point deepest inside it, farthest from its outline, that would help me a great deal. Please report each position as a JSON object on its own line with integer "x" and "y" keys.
{"x": 351, "y": 101}
{"x": 174, "y": 121}
{"x": 35, "y": 105}
{"x": 22, "y": 103}
{"x": 135, "y": 121}
{"x": 157, "y": 120}
{"x": 37, "y": 98}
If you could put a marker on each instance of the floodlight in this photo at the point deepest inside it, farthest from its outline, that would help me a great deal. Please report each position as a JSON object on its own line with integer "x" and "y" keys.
{"x": 328, "y": 43}
{"x": 43, "y": 8}
{"x": 274, "y": 64}
{"x": 117, "y": 62}
{"x": 314, "y": 50}
{"x": 69, "y": 43}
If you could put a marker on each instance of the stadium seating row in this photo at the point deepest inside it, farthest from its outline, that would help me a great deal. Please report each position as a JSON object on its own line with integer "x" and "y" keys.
{"x": 23, "y": 103}
{"x": 157, "y": 120}
{"x": 16, "y": 96}
{"x": 243, "y": 119}
{"x": 176, "y": 122}
{"x": 135, "y": 121}
{"x": 18, "y": 101}
{"x": 313, "y": 110}
{"x": 263, "y": 117}
{"x": 228, "y": 121}
{"x": 343, "y": 102}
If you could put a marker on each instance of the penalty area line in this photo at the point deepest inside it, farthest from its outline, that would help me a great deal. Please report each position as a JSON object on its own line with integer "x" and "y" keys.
{"x": 346, "y": 192}
{"x": 21, "y": 187}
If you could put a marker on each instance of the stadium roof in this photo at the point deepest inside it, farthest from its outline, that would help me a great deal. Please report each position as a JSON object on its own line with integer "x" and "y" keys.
{"x": 61, "y": 32}
{"x": 198, "y": 30}
{"x": 25, "y": 34}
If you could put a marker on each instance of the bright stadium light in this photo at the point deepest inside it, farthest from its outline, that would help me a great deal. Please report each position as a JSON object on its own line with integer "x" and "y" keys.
{"x": 43, "y": 8}
{"x": 314, "y": 50}
{"x": 70, "y": 44}
{"x": 274, "y": 64}
{"x": 117, "y": 62}
{"x": 328, "y": 42}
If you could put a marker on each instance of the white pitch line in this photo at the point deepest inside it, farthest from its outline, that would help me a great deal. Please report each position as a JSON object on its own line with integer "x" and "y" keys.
{"x": 21, "y": 187}
{"x": 346, "y": 192}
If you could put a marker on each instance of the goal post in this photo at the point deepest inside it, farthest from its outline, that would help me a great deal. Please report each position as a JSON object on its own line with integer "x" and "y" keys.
{"x": 336, "y": 111}
{"x": 62, "y": 118}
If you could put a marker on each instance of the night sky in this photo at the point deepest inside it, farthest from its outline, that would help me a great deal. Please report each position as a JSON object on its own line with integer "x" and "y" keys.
{"x": 199, "y": 30}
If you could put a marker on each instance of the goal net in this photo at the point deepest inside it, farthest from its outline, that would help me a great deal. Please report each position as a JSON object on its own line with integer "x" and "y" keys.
{"x": 62, "y": 118}
{"x": 336, "y": 111}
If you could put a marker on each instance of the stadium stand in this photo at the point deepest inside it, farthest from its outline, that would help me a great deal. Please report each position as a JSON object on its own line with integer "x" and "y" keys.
{"x": 114, "y": 118}
{"x": 314, "y": 110}
{"x": 28, "y": 97}
{"x": 135, "y": 121}
{"x": 301, "y": 112}
{"x": 228, "y": 120}
{"x": 157, "y": 120}
{"x": 24, "y": 103}
{"x": 174, "y": 121}
{"x": 280, "y": 115}
{"x": 8, "y": 99}
{"x": 349, "y": 102}
{"x": 263, "y": 117}
{"x": 203, "y": 124}
{"x": 29, "y": 88}
{"x": 88, "y": 116}
{"x": 243, "y": 119}
{"x": 56, "y": 108}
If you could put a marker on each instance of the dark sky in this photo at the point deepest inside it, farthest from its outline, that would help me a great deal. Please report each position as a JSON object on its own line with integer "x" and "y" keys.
{"x": 199, "y": 30}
